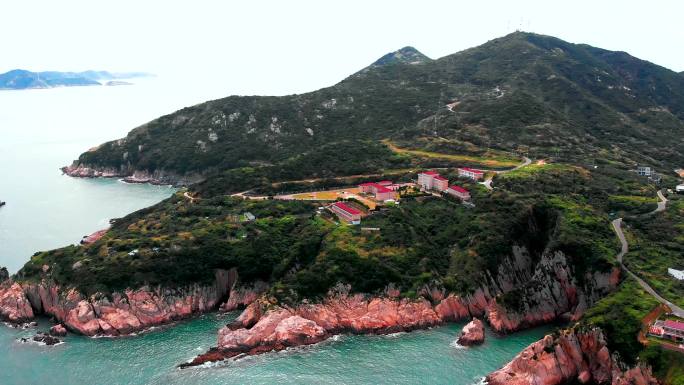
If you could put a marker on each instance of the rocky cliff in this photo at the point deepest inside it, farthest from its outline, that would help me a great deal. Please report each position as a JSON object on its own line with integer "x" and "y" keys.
{"x": 572, "y": 356}
{"x": 117, "y": 314}
{"x": 547, "y": 290}
{"x": 130, "y": 175}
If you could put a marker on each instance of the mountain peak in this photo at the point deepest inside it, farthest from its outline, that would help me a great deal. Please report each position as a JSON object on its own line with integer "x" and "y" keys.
{"x": 406, "y": 55}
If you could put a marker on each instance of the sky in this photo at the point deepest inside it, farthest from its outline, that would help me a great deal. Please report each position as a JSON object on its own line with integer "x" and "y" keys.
{"x": 283, "y": 47}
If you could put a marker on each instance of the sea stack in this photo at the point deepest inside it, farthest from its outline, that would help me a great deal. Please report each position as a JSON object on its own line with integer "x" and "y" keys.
{"x": 472, "y": 333}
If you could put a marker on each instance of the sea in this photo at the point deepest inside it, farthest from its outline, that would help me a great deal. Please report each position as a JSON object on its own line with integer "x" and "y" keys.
{"x": 43, "y": 130}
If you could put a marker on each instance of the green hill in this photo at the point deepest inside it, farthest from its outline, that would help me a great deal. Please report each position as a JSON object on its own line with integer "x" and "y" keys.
{"x": 553, "y": 98}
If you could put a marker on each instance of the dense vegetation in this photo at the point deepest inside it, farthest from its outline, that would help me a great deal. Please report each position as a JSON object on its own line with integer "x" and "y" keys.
{"x": 424, "y": 240}
{"x": 528, "y": 93}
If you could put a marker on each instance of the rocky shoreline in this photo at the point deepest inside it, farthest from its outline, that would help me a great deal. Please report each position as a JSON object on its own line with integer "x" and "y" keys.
{"x": 77, "y": 170}
{"x": 119, "y": 313}
{"x": 264, "y": 326}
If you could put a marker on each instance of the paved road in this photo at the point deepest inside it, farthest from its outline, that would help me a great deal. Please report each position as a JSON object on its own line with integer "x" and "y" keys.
{"x": 488, "y": 182}
{"x": 662, "y": 203}
{"x": 624, "y": 249}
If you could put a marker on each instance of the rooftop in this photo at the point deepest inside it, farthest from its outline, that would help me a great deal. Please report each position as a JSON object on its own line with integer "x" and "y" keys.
{"x": 347, "y": 208}
{"x": 459, "y": 189}
{"x": 431, "y": 173}
{"x": 673, "y": 325}
{"x": 440, "y": 178}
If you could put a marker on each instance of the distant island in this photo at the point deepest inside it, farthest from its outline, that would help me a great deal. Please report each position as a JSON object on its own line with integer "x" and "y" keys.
{"x": 22, "y": 79}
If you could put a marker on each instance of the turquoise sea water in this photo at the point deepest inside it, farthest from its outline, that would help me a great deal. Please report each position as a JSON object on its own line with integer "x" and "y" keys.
{"x": 41, "y": 130}
{"x": 420, "y": 357}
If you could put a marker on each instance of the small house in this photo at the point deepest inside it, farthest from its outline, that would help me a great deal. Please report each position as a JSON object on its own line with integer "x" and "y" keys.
{"x": 644, "y": 170}
{"x": 249, "y": 217}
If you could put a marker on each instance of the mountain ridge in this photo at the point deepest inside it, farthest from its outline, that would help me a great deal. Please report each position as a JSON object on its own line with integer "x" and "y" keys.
{"x": 556, "y": 98}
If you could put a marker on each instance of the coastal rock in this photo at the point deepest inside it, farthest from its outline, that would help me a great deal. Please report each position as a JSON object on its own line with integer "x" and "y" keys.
{"x": 94, "y": 237}
{"x": 571, "y": 356}
{"x": 46, "y": 339}
{"x": 14, "y": 306}
{"x": 472, "y": 333}
{"x": 120, "y": 313}
{"x": 129, "y": 175}
{"x": 243, "y": 296}
{"x": 58, "y": 330}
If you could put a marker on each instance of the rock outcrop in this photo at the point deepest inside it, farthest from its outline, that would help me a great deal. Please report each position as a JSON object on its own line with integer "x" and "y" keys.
{"x": 118, "y": 314}
{"x": 572, "y": 356}
{"x": 58, "y": 330}
{"x": 4, "y": 274}
{"x": 14, "y": 306}
{"x": 46, "y": 339}
{"x": 472, "y": 333}
{"x": 282, "y": 327}
{"x": 78, "y": 170}
{"x": 241, "y": 296}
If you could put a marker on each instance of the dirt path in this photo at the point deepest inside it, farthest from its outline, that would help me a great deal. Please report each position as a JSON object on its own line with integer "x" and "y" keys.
{"x": 624, "y": 249}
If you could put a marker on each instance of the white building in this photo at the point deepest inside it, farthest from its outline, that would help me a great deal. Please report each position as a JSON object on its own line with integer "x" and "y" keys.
{"x": 644, "y": 170}
{"x": 679, "y": 274}
{"x": 680, "y": 189}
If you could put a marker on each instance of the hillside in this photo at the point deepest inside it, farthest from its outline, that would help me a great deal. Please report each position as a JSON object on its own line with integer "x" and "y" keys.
{"x": 22, "y": 79}
{"x": 522, "y": 92}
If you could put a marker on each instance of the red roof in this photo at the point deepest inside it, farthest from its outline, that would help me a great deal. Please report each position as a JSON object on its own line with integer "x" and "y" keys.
{"x": 367, "y": 184}
{"x": 381, "y": 189}
{"x": 385, "y": 182}
{"x": 471, "y": 170}
{"x": 433, "y": 173}
{"x": 459, "y": 189}
{"x": 347, "y": 208}
{"x": 440, "y": 178}
{"x": 674, "y": 325}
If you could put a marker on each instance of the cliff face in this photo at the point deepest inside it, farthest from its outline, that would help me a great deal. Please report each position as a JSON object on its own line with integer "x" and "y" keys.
{"x": 546, "y": 291}
{"x": 118, "y": 314}
{"x": 542, "y": 292}
{"x": 580, "y": 356}
{"x": 130, "y": 175}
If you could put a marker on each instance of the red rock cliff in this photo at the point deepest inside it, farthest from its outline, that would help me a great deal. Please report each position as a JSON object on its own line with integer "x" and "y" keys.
{"x": 571, "y": 356}
{"x": 118, "y": 314}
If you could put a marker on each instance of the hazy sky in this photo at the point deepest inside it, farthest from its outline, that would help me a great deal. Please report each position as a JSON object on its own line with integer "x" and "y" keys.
{"x": 280, "y": 47}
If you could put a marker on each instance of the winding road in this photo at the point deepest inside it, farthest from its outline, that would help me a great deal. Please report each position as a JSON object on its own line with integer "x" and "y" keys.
{"x": 624, "y": 249}
{"x": 488, "y": 182}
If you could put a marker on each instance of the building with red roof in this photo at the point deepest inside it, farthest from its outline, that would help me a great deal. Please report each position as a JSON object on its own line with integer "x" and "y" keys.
{"x": 458, "y": 192}
{"x": 382, "y": 191}
{"x": 431, "y": 180}
{"x": 470, "y": 173}
{"x": 673, "y": 330}
{"x": 346, "y": 213}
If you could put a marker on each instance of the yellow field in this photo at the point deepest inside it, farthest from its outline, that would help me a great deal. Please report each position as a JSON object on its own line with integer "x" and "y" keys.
{"x": 331, "y": 195}
{"x": 498, "y": 161}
